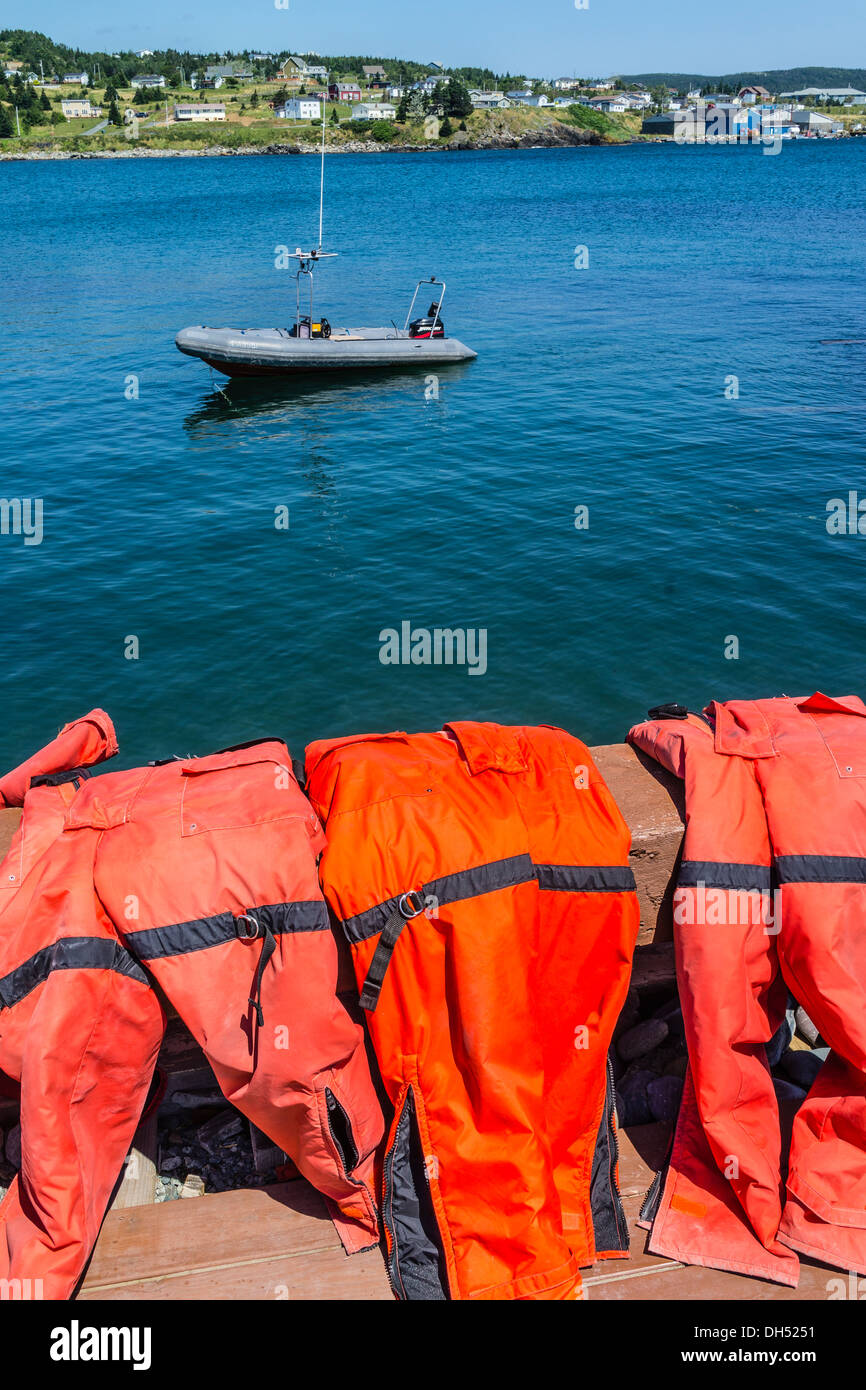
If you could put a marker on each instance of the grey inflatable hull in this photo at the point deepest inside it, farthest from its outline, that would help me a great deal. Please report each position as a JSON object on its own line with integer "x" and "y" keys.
{"x": 273, "y": 351}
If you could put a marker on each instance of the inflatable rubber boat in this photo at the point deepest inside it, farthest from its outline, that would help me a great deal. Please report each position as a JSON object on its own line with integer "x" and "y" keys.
{"x": 311, "y": 345}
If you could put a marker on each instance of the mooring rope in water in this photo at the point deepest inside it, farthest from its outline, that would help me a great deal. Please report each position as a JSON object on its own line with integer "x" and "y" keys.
{"x": 216, "y": 386}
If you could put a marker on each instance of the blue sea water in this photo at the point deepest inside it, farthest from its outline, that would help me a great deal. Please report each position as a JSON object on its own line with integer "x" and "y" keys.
{"x": 601, "y": 387}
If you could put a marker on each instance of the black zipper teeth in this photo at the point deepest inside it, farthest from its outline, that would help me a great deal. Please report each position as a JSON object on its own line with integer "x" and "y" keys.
{"x": 612, "y": 1127}
{"x": 387, "y": 1183}
{"x": 331, "y": 1104}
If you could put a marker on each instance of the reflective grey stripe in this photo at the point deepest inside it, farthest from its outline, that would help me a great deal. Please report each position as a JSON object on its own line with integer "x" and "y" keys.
{"x": 199, "y": 935}
{"x": 821, "y": 868}
{"x": 69, "y": 953}
{"x": 591, "y": 878}
{"x": 755, "y": 877}
{"x": 466, "y": 883}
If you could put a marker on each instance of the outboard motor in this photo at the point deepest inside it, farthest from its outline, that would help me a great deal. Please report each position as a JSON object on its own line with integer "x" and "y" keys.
{"x": 423, "y": 328}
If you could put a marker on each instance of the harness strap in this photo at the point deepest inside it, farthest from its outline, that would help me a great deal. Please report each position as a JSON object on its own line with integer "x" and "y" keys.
{"x": 407, "y": 907}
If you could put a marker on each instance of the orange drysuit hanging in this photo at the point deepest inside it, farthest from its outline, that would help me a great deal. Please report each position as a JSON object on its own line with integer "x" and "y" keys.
{"x": 481, "y": 876}
{"x": 201, "y": 874}
{"x": 771, "y": 897}
{"x": 80, "y": 1025}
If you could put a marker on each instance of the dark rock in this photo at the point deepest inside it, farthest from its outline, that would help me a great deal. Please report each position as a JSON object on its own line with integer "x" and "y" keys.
{"x": 633, "y": 1106}
{"x": 664, "y": 1096}
{"x": 198, "y": 1100}
{"x": 629, "y": 1014}
{"x": 643, "y": 1038}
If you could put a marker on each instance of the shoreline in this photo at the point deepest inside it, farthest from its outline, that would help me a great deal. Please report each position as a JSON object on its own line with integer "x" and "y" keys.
{"x": 558, "y": 136}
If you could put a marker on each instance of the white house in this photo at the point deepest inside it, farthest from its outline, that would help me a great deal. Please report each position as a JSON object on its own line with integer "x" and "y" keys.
{"x": 610, "y": 105}
{"x": 300, "y": 109}
{"x": 374, "y": 111}
{"x": 82, "y": 78}
{"x": 144, "y": 53}
{"x": 489, "y": 101}
{"x": 145, "y": 80}
{"x": 566, "y": 84}
{"x": 200, "y": 111}
{"x": 528, "y": 99}
{"x": 395, "y": 92}
{"x": 429, "y": 84}
{"x": 74, "y": 108}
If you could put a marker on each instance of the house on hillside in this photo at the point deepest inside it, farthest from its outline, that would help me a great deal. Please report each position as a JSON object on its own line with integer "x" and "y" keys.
{"x": 146, "y": 80}
{"x": 375, "y": 75}
{"x": 489, "y": 101}
{"x": 301, "y": 71}
{"x": 528, "y": 99}
{"x": 611, "y": 106}
{"x": 300, "y": 109}
{"x": 200, "y": 111}
{"x": 218, "y": 73}
{"x": 375, "y": 111}
{"x": 749, "y": 95}
{"x": 78, "y": 108}
{"x": 428, "y": 84}
{"x": 79, "y": 78}
{"x": 344, "y": 91}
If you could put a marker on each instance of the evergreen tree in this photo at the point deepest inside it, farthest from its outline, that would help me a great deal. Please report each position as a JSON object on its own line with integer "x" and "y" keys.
{"x": 437, "y": 101}
{"x": 446, "y": 128}
{"x": 335, "y": 119}
{"x": 254, "y": 99}
{"x": 110, "y": 92}
{"x": 7, "y": 127}
{"x": 44, "y": 102}
{"x": 403, "y": 109}
{"x": 114, "y": 116}
{"x": 458, "y": 102}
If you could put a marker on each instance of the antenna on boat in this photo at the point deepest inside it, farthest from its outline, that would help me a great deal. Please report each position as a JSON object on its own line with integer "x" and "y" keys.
{"x": 322, "y": 181}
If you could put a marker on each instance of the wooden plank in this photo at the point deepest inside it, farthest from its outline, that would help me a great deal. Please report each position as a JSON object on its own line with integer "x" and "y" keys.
{"x": 273, "y": 1242}
{"x": 217, "y": 1229}
{"x": 137, "y": 1185}
{"x": 321, "y": 1275}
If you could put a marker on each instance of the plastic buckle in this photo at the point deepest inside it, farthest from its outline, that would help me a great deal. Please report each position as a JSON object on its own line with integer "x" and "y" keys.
{"x": 406, "y": 906}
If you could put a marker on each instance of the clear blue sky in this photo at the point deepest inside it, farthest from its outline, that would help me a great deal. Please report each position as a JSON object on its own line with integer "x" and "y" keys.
{"x": 538, "y": 37}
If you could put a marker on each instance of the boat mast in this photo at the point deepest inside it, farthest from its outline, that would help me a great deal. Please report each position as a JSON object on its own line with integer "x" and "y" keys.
{"x": 322, "y": 182}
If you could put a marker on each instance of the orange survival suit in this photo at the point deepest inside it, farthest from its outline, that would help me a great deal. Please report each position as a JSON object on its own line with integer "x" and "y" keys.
{"x": 200, "y": 874}
{"x": 481, "y": 877}
{"x": 771, "y": 897}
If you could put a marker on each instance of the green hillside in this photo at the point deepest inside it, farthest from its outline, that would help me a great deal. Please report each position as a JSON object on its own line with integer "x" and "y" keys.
{"x": 777, "y": 80}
